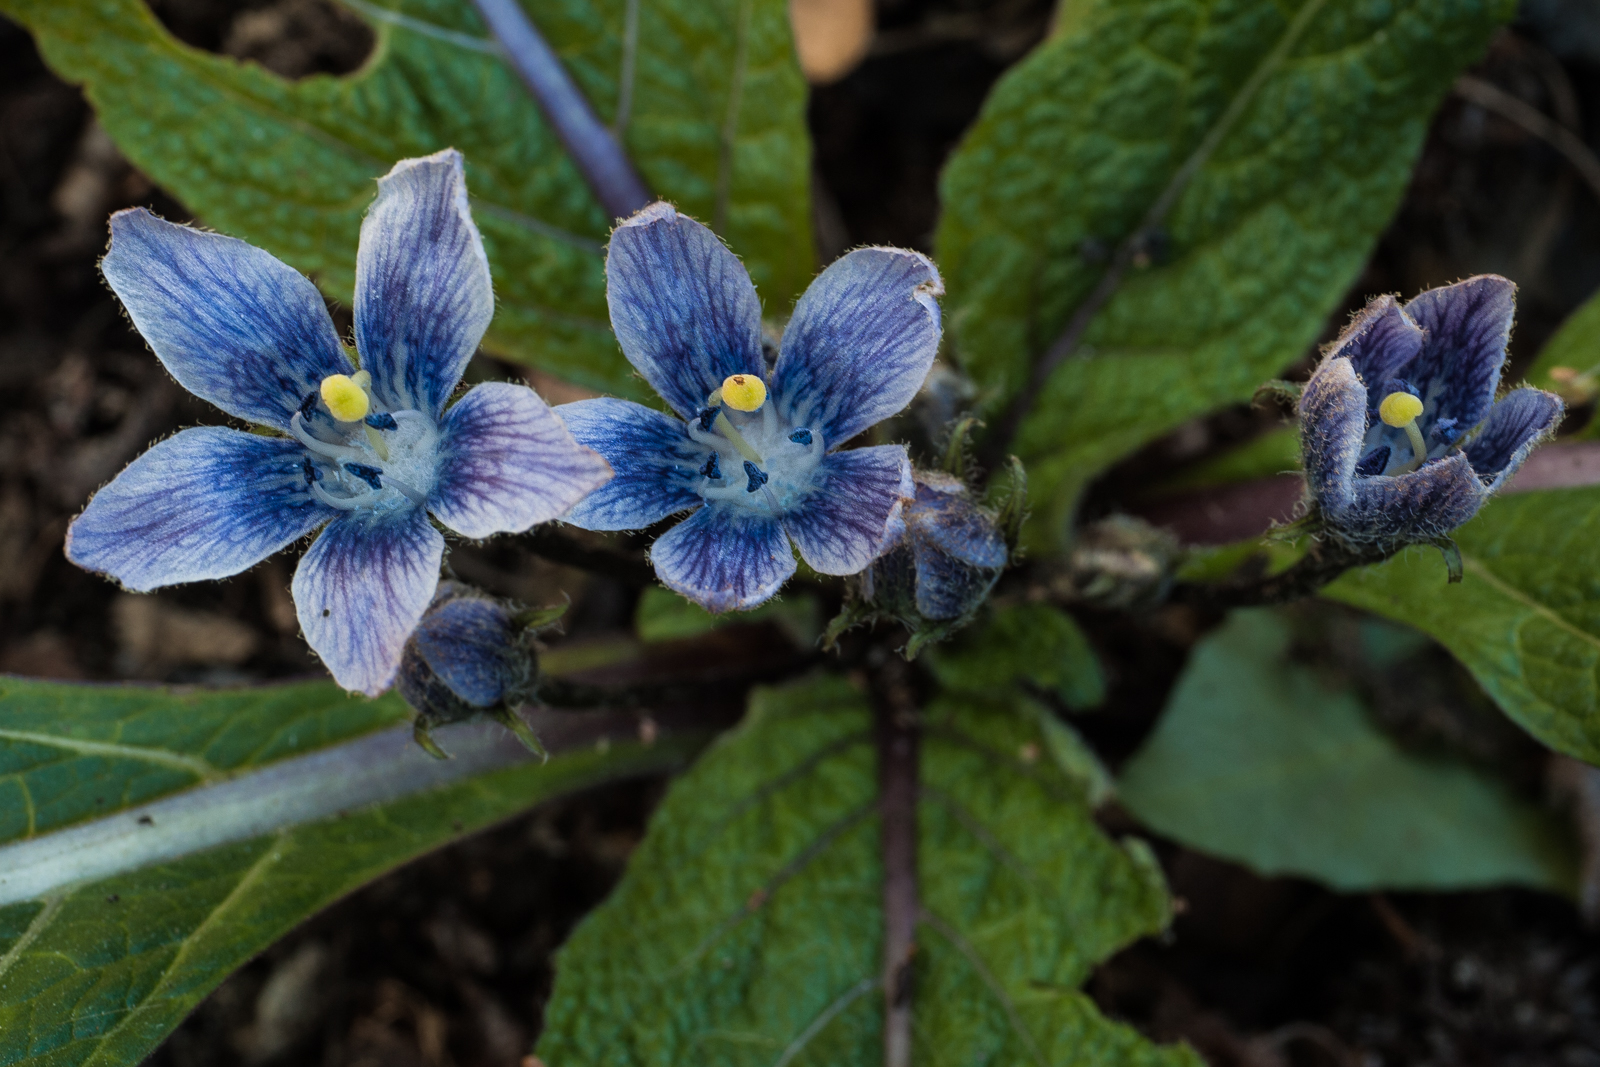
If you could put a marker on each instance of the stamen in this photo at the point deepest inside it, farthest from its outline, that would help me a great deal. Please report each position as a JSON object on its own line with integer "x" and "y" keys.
{"x": 375, "y": 439}
{"x": 382, "y": 420}
{"x": 1374, "y": 462}
{"x": 744, "y": 392}
{"x": 711, "y": 470}
{"x": 758, "y": 477}
{"x": 366, "y": 474}
{"x": 707, "y": 417}
{"x": 318, "y": 445}
{"x": 344, "y": 503}
{"x": 801, "y": 437}
{"x": 735, "y": 438}
{"x": 345, "y": 396}
{"x": 308, "y": 406}
{"x": 312, "y": 471}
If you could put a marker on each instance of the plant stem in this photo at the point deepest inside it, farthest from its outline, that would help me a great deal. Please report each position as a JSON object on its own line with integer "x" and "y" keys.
{"x": 1325, "y": 561}
{"x": 550, "y": 543}
{"x": 898, "y": 742}
{"x": 594, "y": 150}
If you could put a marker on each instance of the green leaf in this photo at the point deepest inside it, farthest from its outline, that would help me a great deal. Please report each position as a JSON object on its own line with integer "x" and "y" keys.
{"x": 748, "y": 928}
{"x": 75, "y": 752}
{"x": 1287, "y": 132}
{"x": 1031, "y": 642}
{"x": 1526, "y": 618}
{"x": 1257, "y": 761}
{"x": 1275, "y": 452}
{"x": 663, "y": 615}
{"x": 1576, "y": 347}
{"x": 717, "y": 125}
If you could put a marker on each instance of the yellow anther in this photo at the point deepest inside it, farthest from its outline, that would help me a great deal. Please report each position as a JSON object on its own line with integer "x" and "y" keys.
{"x": 744, "y": 392}
{"x": 1399, "y": 409}
{"x": 345, "y": 398}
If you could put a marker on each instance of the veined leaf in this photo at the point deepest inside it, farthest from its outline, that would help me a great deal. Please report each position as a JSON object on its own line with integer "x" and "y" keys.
{"x": 1575, "y": 347}
{"x": 1036, "y": 643}
{"x": 1285, "y": 134}
{"x": 748, "y": 929}
{"x": 1257, "y": 761}
{"x": 715, "y": 122}
{"x": 1526, "y": 618}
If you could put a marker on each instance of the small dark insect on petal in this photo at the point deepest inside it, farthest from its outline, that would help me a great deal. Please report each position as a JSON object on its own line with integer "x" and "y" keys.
{"x": 365, "y": 473}
{"x": 382, "y": 420}
{"x": 801, "y": 437}
{"x": 758, "y": 477}
{"x": 1373, "y": 462}
{"x": 711, "y": 469}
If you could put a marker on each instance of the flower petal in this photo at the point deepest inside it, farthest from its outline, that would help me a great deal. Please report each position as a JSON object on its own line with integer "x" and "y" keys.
{"x": 206, "y": 503}
{"x": 1426, "y": 503}
{"x": 860, "y": 342}
{"x": 234, "y": 325}
{"x": 1333, "y": 425}
{"x": 1468, "y": 326}
{"x": 944, "y": 517}
{"x": 682, "y": 305}
{"x": 947, "y": 587}
{"x": 1520, "y": 420}
{"x": 360, "y": 589}
{"x": 506, "y": 462}
{"x": 847, "y": 520}
{"x": 423, "y": 297}
{"x": 656, "y": 464}
{"x": 1380, "y": 342}
{"x": 724, "y": 559}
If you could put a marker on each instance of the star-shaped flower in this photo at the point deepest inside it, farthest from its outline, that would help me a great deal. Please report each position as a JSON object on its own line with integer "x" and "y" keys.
{"x": 367, "y": 453}
{"x": 1402, "y": 436}
{"x": 752, "y": 450}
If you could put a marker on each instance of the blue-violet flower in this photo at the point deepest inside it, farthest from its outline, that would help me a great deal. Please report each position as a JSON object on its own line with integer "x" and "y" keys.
{"x": 367, "y": 453}
{"x": 753, "y": 451}
{"x": 946, "y": 561}
{"x": 1402, "y": 436}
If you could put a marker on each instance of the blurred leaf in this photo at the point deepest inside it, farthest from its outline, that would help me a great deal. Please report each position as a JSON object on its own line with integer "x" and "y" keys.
{"x": 663, "y": 615}
{"x": 1526, "y": 619}
{"x": 1035, "y": 642}
{"x": 1575, "y": 347}
{"x": 1257, "y": 761}
{"x": 748, "y": 927}
{"x": 75, "y": 752}
{"x": 716, "y": 124}
{"x": 1275, "y": 452}
{"x": 1295, "y": 181}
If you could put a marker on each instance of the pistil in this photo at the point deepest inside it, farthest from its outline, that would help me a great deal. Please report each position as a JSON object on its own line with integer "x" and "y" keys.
{"x": 1400, "y": 410}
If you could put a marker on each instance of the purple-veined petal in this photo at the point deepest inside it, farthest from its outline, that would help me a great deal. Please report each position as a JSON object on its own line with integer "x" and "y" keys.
{"x": 1426, "y": 503}
{"x": 1467, "y": 327}
{"x": 423, "y": 297}
{"x": 724, "y": 558}
{"x": 860, "y": 342}
{"x": 360, "y": 589}
{"x": 1333, "y": 425}
{"x": 235, "y": 326}
{"x": 683, "y": 307}
{"x": 506, "y": 462}
{"x": 846, "y": 520}
{"x": 1518, "y": 422}
{"x": 944, "y": 517}
{"x": 465, "y": 641}
{"x": 1380, "y": 342}
{"x": 656, "y": 465}
{"x": 207, "y": 503}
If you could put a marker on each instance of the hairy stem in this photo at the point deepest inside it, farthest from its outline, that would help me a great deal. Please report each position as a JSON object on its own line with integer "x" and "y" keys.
{"x": 597, "y": 154}
{"x": 898, "y": 741}
{"x": 1326, "y": 560}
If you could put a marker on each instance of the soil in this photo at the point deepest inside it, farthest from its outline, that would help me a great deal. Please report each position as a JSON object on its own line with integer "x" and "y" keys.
{"x": 447, "y": 961}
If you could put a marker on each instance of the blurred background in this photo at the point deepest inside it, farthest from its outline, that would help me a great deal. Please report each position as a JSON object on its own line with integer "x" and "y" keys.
{"x": 447, "y": 961}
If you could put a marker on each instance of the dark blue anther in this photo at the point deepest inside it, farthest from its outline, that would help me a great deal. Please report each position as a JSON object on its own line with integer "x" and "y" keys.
{"x": 711, "y": 470}
{"x": 758, "y": 477}
{"x": 312, "y": 472}
{"x": 708, "y": 416}
{"x": 381, "y": 420}
{"x": 1444, "y": 431}
{"x": 308, "y": 406}
{"x": 1400, "y": 385}
{"x": 1373, "y": 462}
{"x": 365, "y": 473}
{"x": 801, "y": 437}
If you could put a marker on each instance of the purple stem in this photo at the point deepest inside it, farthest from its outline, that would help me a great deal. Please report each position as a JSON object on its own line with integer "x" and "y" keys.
{"x": 599, "y": 158}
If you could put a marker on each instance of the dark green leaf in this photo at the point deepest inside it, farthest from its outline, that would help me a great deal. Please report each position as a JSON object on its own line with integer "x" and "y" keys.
{"x": 1287, "y": 132}
{"x": 748, "y": 927}
{"x": 1526, "y": 619}
{"x": 1574, "y": 348}
{"x": 1258, "y": 761}
{"x": 716, "y": 124}
{"x": 1032, "y": 642}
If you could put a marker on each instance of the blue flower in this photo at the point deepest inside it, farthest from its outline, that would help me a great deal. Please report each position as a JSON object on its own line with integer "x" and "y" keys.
{"x": 946, "y": 561}
{"x": 1402, "y": 436}
{"x": 369, "y": 454}
{"x": 753, "y": 450}
{"x": 464, "y": 657}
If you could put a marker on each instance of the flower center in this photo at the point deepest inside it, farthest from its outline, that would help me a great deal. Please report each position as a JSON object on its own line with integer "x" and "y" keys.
{"x": 755, "y": 460}
{"x": 1400, "y": 410}
{"x": 358, "y": 459}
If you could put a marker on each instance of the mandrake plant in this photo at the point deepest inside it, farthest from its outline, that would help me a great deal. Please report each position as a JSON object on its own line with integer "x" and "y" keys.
{"x": 881, "y": 841}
